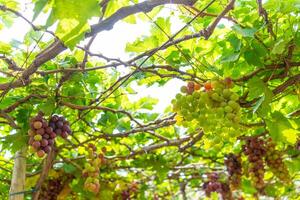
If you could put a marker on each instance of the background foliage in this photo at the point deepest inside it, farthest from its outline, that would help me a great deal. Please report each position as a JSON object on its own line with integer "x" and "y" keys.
{"x": 255, "y": 43}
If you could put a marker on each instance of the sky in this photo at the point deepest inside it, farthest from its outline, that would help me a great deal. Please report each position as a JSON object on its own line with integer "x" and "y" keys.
{"x": 111, "y": 43}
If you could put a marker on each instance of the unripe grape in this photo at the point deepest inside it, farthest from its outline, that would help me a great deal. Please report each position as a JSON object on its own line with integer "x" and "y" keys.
{"x": 230, "y": 116}
{"x": 184, "y": 89}
{"x": 37, "y": 137}
{"x": 178, "y": 96}
{"x": 228, "y": 109}
{"x": 91, "y": 169}
{"x": 87, "y": 165}
{"x": 226, "y": 93}
{"x": 236, "y": 119}
{"x": 216, "y": 97}
{"x": 234, "y": 97}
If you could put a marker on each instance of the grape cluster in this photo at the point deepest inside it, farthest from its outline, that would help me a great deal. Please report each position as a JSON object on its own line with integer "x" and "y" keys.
{"x": 255, "y": 151}
{"x": 234, "y": 169}
{"x": 60, "y": 126}
{"x": 275, "y": 162}
{"x": 41, "y": 136}
{"x": 215, "y": 185}
{"x": 91, "y": 169}
{"x": 130, "y": 191}
{"x": 51, "y": 189}
{"x": 213, "y": 101}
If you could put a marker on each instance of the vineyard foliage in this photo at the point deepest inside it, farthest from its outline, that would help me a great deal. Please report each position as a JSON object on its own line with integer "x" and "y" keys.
{"x": 232, "y": 131}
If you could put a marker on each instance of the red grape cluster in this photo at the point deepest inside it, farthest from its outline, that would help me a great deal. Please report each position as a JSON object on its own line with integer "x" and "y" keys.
{"x": 41, "y": 136}
{"x": 92, "y": 168}
{"x": 51, "y": 189}
{"x": 130, "y": 191}
{"x": 234, "y": 169}
{"x": 60, "y": 126}
{"x": 275, "y": 162}
{"x": 214, "y": 185}
{"x": 255, "y": 150}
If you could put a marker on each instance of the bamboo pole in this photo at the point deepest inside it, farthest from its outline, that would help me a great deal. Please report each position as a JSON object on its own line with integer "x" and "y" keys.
{"x": 18, "y": 176}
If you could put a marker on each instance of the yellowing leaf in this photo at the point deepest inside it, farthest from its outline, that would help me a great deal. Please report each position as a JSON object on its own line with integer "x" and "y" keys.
{"x": 291, "y": 135}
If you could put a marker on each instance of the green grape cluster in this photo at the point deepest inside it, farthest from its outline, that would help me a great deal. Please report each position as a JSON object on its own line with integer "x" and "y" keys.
{"x": 275, "y": 162}
{"x": 214, "y": 107}
{"x": 92, "y": 169}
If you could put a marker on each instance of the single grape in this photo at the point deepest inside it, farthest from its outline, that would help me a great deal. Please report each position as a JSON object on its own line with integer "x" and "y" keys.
{"x": 37, "y": 124}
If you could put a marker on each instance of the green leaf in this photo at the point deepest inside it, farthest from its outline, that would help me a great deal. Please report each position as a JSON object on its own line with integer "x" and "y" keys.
{"x": 280, "y": 129}
{"x": 230, "y": 58}
{"x": 246, "y": 32}
{"x": 247, "y": 187}
{"x": 7, "y": 101}
{"x": 279, "y": 47}
{"x": 48, "y": 107}
{"x": 39, "y": 5}
{"x": 256, "y": 87}
{"x": 258, "y": 103}
{"x": 235, "y": 42}
{"x": 73, "y": 16}
{"x": 5, "y": 48}
{"x": 291, "y": 135}
{"x": 68, "y": 168}
{"x": 14, "y": 142}
{"x": 294, "y": 165}
{"x": 147, "y": 103}
{"x": 252, "y": 58}
{"x": 130, "y": 19}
